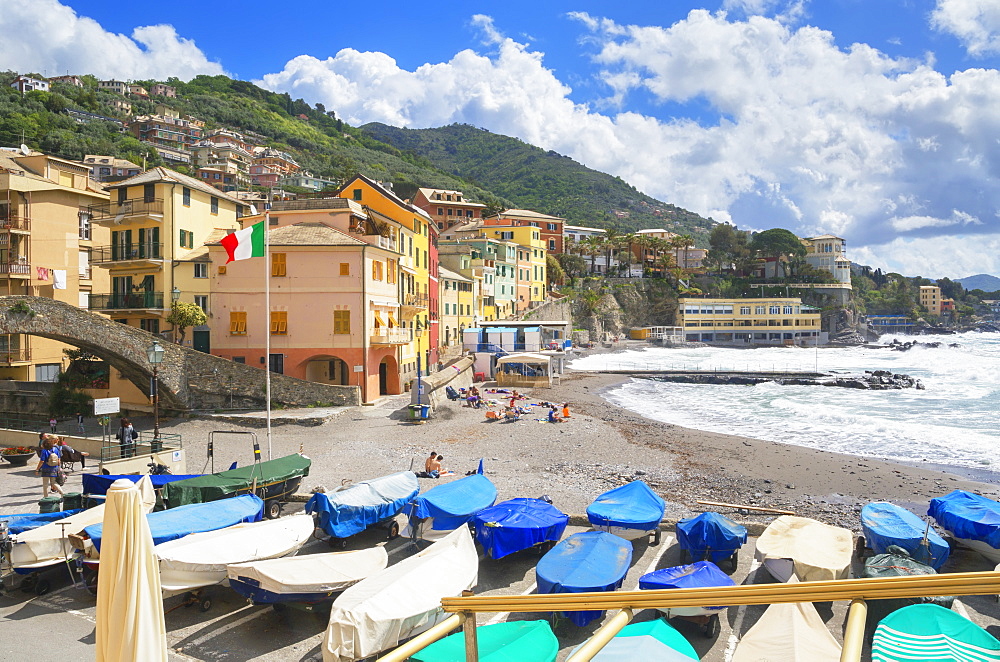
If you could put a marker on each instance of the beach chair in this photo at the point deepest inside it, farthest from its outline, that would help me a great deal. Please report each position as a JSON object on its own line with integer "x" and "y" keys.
{"x": 492, "y": 415}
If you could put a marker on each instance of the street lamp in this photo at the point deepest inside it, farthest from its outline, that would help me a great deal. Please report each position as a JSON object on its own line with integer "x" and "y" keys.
{"x": 175, "y": 294}
{"x": 155, "y": 355}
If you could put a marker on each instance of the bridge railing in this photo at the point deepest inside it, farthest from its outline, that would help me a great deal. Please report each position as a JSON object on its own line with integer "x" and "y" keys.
{"x": 144, "y": 445}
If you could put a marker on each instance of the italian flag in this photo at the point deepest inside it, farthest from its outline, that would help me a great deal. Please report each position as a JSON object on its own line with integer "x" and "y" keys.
{"x": 245, "y": 244}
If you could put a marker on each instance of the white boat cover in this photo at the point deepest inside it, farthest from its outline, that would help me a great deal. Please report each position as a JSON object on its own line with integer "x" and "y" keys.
{"x": 313, "y": 573}
{"x": 49, "y": 544}
{"x": 791, "y": 632}
{"x": 403, "y": 600}
{"x": 817, "y": 551}
{"x": 200, "y": 559}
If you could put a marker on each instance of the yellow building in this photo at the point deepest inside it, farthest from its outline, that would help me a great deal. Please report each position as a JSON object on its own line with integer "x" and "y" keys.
{"x": 413, "y": 246}
{"x": 457, "y": 302}
{"x": 531, "y": 276}
{"x": 767, "y": 321}
{"x": 46, "y": 239}
{"x": 930, "y": 298}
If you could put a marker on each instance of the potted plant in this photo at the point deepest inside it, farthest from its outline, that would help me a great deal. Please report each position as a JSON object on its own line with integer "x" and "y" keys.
{"x": 17, "y": 455}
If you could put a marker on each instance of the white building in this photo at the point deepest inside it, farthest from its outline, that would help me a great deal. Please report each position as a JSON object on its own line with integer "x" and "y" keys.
{"x": 28, "y": 84}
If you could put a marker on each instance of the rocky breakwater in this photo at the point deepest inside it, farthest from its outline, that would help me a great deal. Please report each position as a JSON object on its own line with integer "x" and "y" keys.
{"x": 870, "y": 380}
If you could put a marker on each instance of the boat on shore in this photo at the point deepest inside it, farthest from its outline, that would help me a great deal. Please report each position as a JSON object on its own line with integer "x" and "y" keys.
{"x": 886, "y": 524}
{"x": 446, "y": 507}
{"x": 701, "y": 574}
{"x": 524, "y": 641}
{"x": 804, "y": 548}
{"x": 789, "y": 632}
{"x": 630, "y": 511}
{"x": 518, "y": 524}
{"x": 649, "y": 640}
{"x": 351, "y": 510}
{"x": 931, "y": 632}
{"x": 971, "y": 519}
{"x": 711, "y": 537}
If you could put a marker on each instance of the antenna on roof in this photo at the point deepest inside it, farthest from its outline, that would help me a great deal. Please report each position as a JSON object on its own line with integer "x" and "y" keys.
{"x": 25, "y": 150}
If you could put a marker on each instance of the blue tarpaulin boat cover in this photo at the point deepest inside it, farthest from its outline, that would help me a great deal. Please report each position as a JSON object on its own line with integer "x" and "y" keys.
{"x": 94, "y": 484}
{"x": 589, "y": 561}
{"x": 351, "y": 511}
{"x": 703, "y": 574}
{"x": 631, "y": 506}
{"x": 887, "y": 524}
{"x": 453, "y": 504}
{"x": 518, "y": 524}
{"x": 195, "y": 518}
{"x": 710, "y": 535}
{"x": 968, "y": 515}
{"x": 29, "y": 521}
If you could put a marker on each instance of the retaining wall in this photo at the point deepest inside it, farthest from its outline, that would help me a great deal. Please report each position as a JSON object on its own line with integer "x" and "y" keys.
{"x": 457, "y": 375}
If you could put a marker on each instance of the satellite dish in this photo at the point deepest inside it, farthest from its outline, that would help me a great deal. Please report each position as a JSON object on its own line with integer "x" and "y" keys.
{"x": 25, "y": 150}
{"x": 253, "y": 210}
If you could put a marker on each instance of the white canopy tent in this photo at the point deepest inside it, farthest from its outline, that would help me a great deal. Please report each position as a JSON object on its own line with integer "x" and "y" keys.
{"x": 525, "y": 370}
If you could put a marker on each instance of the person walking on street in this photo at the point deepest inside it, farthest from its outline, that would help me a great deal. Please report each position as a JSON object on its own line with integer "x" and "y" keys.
{"x": 79, "y": 422}
{"x": 52, "y": 424}
{"x": 126, "y": 437}
{"x": 49, "y": 466}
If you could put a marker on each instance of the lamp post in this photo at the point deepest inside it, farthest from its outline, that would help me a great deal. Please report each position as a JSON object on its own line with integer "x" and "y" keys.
{"x": 155, "y": 355}
{"x": 175, "y": 294}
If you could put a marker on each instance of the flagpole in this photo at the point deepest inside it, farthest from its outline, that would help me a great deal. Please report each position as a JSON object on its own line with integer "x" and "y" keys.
{"x": 267, "y": 320}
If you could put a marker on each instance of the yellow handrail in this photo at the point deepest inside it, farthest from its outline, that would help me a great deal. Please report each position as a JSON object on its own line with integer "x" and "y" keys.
{"x": 600, "y": 639}
{"x": 424, "y": 639}
{"x": 854, "y": 632}
{"x": 965, "y": 583}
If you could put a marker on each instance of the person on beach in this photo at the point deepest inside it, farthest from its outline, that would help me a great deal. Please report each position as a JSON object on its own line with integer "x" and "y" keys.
{"x": 565, "y": 410}
{"x": 49, "y": 467}
{"x": 434, "y": 467}
{"x": 554, "y": 415}
{"x": 429, "y": 461}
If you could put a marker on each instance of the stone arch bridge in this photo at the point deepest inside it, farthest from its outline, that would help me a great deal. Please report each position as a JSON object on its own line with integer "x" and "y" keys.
{"x": 188, "y": 379}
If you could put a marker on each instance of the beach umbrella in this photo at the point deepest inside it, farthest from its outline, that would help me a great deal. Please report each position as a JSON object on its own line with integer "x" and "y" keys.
{"x": 130, "y": 623}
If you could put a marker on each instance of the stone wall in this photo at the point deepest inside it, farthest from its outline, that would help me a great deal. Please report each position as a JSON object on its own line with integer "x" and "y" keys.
{"x": 188, "y": 379}
{"x": 457, "y": 375}
{"x": 552, "y": 310}
{"x": 25, "y": 399}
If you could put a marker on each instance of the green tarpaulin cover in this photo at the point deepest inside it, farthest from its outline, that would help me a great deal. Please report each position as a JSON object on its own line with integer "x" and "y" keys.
{"x": 228, "y": 483}
{"x": 516, "y": 641}
{"x": 930, "y": 633}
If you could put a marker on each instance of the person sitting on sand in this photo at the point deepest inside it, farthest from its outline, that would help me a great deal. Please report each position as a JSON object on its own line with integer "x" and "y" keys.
{"x": 565, "y": 410}
{"x": 429, "y": 461}
{"x": 554, "y": 415}
{"x": 434, "y": 467}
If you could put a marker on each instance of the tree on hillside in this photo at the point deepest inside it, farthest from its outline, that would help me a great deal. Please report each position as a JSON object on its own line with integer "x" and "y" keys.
{"x": 554, "y": 271}
{"x": 592, "y": 247}
{"x": 778, "y": 244}
{"x": 573, "y": 266}
{"x": 729, "y": 248}
{"x": 183, "y": 314}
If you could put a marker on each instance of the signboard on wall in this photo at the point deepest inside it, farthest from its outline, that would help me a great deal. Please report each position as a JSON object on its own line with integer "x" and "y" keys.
{"x": 104, "y": 406}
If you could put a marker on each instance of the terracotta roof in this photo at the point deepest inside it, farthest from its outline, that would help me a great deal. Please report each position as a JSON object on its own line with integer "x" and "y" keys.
{"x": 527, "y": 213}
{"x": 306, "y": 234}
{"x": 161, "y": 174}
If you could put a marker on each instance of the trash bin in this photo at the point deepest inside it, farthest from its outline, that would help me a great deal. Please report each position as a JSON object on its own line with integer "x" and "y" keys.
{"x": 49, "y": 504}
{"x": 72, "y": 501}
{"x": 425, "y": 411}
{"x": 420, "y": 412}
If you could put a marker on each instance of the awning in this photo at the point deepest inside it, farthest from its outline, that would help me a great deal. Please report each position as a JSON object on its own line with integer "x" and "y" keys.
{"x": 409, "y": 270}
{"x": 392, "y": 321}
{"x": 378, "y": 320}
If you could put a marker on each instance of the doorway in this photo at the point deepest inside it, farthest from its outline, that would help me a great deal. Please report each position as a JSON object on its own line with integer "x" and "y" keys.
{"x": 277, "y": 363}
{"x": 383, "y": 378}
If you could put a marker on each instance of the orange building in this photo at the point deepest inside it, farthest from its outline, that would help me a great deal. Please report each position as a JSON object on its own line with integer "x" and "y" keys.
{"x": 549, "y": 227}
{"x": 447, "y": 208}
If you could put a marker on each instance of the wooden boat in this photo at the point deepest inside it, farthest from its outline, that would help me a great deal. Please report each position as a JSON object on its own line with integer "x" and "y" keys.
{"x": 788, "y": 632}
{"x": 519, "y": 524}
{"x": 973, "y": 520}
{"x": 650, "y": 640}
{"x": 401, "y": 601}
{"x": 589, "y": 561}
{"x": 201, "y": 559}
{"x": 524, "y": 641}
{"x": 887, "y": 524}
{"x": 350, "y": 511}
{"x": 931, "y": 633}
{"x": 630, "y": 511}
{"x": 273, "y": 481}
{"x": 804, "y": 548}
{"x": 309, "y": 579}
{"x": 444, "y": 508}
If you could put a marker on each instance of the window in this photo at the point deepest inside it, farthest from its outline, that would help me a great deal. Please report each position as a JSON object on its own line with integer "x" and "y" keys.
{"x": 376, "y": 270}
{"x": 215, "y": 205}
{"x": 84, "y": 225}
{"x": 187, "y": 239}
{"x": 278, "y": 264}
{"x": 759, "y": 310}
{"x": 440, "y": 211}
{"x": 345, "y": 268}
{"x": 552, "y": 244}
{"x": 506, "y": 236}
{"x": 391, "y": 271}
{"x": 239, "y": 359}
{"x": 357, "y": 194}
{"x": 552, "y": 227}
{"x": 201, "y": 270}
{"x": 787, "y": 310}
{"x": 238, "y": 323}
{"x": 122, "y": 195}
{"x": 186, "y": 196}
{"x": 447, "y": 307}
{"x": 148, "y": 192}
{"x": 744, "y": 310}
{"x": 279, "y": 323}
{"x": 152, "y": 325}
{"x": 341, "y": 322}
{"x": 774, "y": 310}
{"x": 201, "y": 300}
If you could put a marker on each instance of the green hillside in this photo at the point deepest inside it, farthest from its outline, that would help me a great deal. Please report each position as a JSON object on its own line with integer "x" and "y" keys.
{"x": 535, "y": 179}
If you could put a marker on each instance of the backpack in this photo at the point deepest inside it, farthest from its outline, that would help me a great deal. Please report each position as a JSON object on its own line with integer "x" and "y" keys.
{"x": 53, "y": 460}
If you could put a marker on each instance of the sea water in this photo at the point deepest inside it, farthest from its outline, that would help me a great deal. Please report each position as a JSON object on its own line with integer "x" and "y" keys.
{"x": 954, "y": 421}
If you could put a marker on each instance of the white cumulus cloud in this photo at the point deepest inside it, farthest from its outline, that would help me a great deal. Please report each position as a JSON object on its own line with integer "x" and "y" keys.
{"x": 45, "y": 36}
{"x": 976, "y": 23}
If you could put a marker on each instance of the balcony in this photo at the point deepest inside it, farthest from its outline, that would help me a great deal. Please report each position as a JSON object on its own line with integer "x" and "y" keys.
{"x": 413, "y": 303}
{"x": 10, "y": 355}
{"x": 14, "y": 222}
{"x": 146, "y": 252}
{"x": 117, "y": 212}
{"x": 383, "y": 336}
{"x": 129, "y": 301}
{"x": 15, "y": 269}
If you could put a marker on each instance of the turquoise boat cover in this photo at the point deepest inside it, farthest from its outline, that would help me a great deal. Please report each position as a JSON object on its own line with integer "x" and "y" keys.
{"x": 518, "y": 524}
{"x": 588, "y": 561}
{"x": 931, "y": 633}
{"x": 194, "y": 518}
{"x": 514, "y": 641}
{"x": 453, "y": 504}
{"x": 27, "y": 522}
{"x": 710, "y": 536}
{"x": 887, "y": 524}
{"x": 968, "y": 515}
{"x": 632, "y": 506}
{"x": 347, "y": 512}
{"x": 651, "y": 640}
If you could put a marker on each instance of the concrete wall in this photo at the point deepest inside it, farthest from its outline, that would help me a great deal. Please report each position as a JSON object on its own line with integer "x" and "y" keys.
{"x": 457, "y": 375}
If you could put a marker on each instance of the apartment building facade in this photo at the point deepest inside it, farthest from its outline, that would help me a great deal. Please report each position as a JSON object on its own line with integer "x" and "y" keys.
{"x": 764, "y": 321}
{"x": 447, "y": 208}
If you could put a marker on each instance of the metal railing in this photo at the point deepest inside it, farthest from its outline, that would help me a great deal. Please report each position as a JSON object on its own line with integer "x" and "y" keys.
{"x": 14, "y": 354}
{"x": 123, "y": 252}
{"x": 129, "y": 301}
{"x": 134, "y": 207}
{"x": 415, "y": 300}
{"x": 391, "y": 337}
{"x": 15, "y": 222}
{"x": 15, "y": 268}
{"x": 144, "y": 445}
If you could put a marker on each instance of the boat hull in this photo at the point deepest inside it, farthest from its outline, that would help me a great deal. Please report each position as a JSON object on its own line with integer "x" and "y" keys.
{"x": 991, "y": 553}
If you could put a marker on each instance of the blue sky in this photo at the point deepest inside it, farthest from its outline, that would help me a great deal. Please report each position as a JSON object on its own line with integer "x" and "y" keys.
{"x": 871, "y": 119}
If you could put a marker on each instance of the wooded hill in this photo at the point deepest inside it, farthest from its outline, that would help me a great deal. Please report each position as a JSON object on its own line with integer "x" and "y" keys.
{"x": 496, "y": 170}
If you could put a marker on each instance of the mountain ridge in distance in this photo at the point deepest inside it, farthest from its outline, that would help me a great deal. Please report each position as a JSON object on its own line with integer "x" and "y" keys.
{"x": 984, "y": 282}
